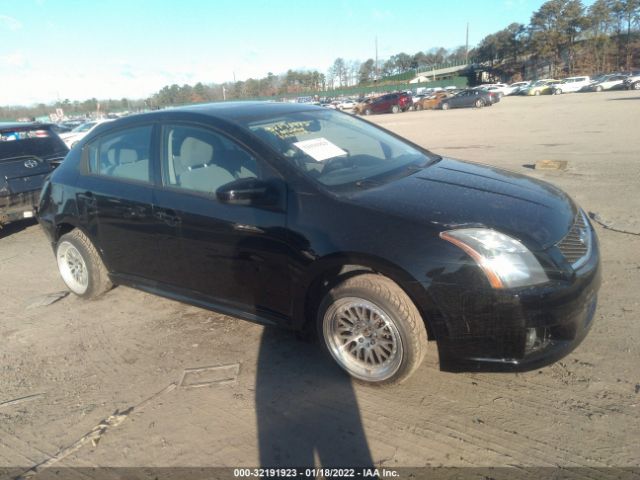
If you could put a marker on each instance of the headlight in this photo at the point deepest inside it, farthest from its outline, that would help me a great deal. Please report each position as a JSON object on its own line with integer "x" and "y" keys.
{"x": 505, "y": 261}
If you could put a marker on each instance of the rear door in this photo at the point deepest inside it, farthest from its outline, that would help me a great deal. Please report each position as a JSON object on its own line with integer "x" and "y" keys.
{"x": 116, "y": 186}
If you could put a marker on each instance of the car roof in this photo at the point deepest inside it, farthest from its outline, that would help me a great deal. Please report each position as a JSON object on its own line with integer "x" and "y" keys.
{"x": 234, "y": 110}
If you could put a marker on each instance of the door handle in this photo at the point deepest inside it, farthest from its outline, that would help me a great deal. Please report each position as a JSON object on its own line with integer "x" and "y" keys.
{"x": 137, "y": 211}
{"x": 167, "y": 216}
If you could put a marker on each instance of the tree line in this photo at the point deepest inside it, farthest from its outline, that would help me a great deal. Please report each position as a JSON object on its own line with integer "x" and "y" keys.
{"x": 568, "y": 38}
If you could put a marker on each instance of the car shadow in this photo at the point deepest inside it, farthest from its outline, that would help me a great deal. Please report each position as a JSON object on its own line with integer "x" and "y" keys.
{"x": 306, "y": 407}
{"x": 17, "y": 226}
{"x": 623, "y": 98}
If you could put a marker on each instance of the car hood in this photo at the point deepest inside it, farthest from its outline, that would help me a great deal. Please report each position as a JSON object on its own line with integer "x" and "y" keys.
{"x": 455, "y": 194}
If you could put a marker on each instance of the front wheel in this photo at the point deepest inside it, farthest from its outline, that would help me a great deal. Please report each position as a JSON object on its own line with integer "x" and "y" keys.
{"x": 598, "y": 89}
{"x": 367, "y": 111}
{"x": 636, "y": 86}
{"x": 445, "y": 106}
{"x": 80, "y": 265}
{"x": 395, "y": 109}
{"x": 479, "y": 104}
{"x": 372, "y": 329}
{"x": 417, "y": 107}
{"x": 557, "y": 91}
{"x": 537, "y": 93}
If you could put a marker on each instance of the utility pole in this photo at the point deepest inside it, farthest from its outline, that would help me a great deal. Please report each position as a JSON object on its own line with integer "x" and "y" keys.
{"x": 466, "y": 48}
{"x": 376, "y": 69}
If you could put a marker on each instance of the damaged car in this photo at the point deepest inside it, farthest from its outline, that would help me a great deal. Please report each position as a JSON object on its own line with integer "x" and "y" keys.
{"x": 28, "y": 153}
{"x": 317, "y": 221}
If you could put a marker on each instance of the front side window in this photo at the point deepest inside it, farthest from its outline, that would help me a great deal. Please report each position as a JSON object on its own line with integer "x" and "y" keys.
{"x": 335, "y": 148}
{"x": 123, "y": 154}
{"x": 203, "y": 160}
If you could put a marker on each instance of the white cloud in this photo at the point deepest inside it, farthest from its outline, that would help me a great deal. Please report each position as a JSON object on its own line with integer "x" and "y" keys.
{"x": 14, "y": 60}
{"x": 11, "y": 23}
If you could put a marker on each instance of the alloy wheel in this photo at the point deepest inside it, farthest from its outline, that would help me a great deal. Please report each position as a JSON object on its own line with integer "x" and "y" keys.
{"x": 363, "y": 339}
{"x": 73, "y": 268}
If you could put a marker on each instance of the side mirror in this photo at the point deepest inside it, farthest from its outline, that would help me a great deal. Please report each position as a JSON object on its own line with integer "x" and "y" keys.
{"x": 248, "y": 191}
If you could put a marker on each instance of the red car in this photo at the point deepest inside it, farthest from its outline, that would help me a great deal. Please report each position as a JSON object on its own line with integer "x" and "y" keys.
{"x": 391, "y": 102}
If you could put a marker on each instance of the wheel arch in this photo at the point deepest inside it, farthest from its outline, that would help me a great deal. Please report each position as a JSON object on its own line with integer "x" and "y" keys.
{"x": 67, "y": 226}
{"x": 326, "y": 273}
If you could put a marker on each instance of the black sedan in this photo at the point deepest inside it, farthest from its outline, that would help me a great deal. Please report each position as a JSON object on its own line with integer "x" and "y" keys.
{"x": 470, "y": 98}
{"x": 315, "y": 220}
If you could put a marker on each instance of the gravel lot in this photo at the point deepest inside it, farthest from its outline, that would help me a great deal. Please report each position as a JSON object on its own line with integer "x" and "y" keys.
{"x": 68, "y": 366}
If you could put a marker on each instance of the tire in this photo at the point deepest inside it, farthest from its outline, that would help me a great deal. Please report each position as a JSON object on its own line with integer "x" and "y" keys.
{"x": 445, "y": 106}
{"x": 395, "y": 109}
{"x": 557, "y": 91}
{"x": 537, "y": 93}
{"x": 367, "y": 111}
{"x": 390, "y": 347}
{"x": 417, "y": 107}
{"x": 598, "y": 89}
{"x": 636, "y": 86}
{"x": 80, "y": 265}
{"x": 479, "y": 104}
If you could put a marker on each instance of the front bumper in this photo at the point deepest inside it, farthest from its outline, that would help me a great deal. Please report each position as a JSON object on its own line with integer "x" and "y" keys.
{"x": 18, "y": 206}
{"x": 488, "y": 330}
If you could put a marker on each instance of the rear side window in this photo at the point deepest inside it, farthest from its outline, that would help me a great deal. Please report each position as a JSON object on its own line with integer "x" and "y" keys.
{"x": 123, "y": 154}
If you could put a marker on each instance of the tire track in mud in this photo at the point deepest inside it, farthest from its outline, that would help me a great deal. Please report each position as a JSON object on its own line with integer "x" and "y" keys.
{"x": 445, "y": 417}
{"x": 471, "y": 445}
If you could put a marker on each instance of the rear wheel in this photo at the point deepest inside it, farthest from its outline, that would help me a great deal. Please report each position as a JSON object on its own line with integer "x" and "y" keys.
{"x": 479, "y": 103}
{"x": 367, "y": 111}
{"x": 557, "y": 91}
{"x": 395, "y": 109}
{"x": 598, "y": 89}
{"x": 445, "y": 106}
{"x": 80, "y": 265}
{"x": 537, "y": 93}
{"x": 636, "y": 86}
{"x": 372, "y": 329}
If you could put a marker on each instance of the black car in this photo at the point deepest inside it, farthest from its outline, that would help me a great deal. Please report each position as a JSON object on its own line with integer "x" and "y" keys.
{"x": 315, "y": 220}
{"x": 470, "y": 98}
{"x": 28, "y": 153}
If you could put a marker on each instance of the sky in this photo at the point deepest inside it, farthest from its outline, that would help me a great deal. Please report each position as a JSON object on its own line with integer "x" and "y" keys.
{"x": 78, "y": 49}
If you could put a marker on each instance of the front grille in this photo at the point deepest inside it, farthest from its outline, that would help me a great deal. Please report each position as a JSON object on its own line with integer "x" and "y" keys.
{"x": 575, "y": 246}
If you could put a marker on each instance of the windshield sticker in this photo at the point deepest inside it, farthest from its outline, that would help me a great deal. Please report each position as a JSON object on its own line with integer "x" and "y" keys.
{"x": 22, "y": 135}
{"x": 288, "y": 129}
{"x": 320, "y": 149}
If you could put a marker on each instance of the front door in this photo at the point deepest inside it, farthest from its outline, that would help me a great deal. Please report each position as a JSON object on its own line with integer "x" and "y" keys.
{"x": 236, "y": 255}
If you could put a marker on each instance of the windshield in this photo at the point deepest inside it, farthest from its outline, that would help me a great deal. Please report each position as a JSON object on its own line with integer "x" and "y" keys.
{"x": 335, "y": 148}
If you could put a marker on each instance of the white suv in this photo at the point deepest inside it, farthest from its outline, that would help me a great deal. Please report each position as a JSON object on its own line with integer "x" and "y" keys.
{"x": 571, "y": 84}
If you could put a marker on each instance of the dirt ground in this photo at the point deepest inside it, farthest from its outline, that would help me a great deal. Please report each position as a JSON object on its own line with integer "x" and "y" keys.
{"x": 70, "y": 371}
